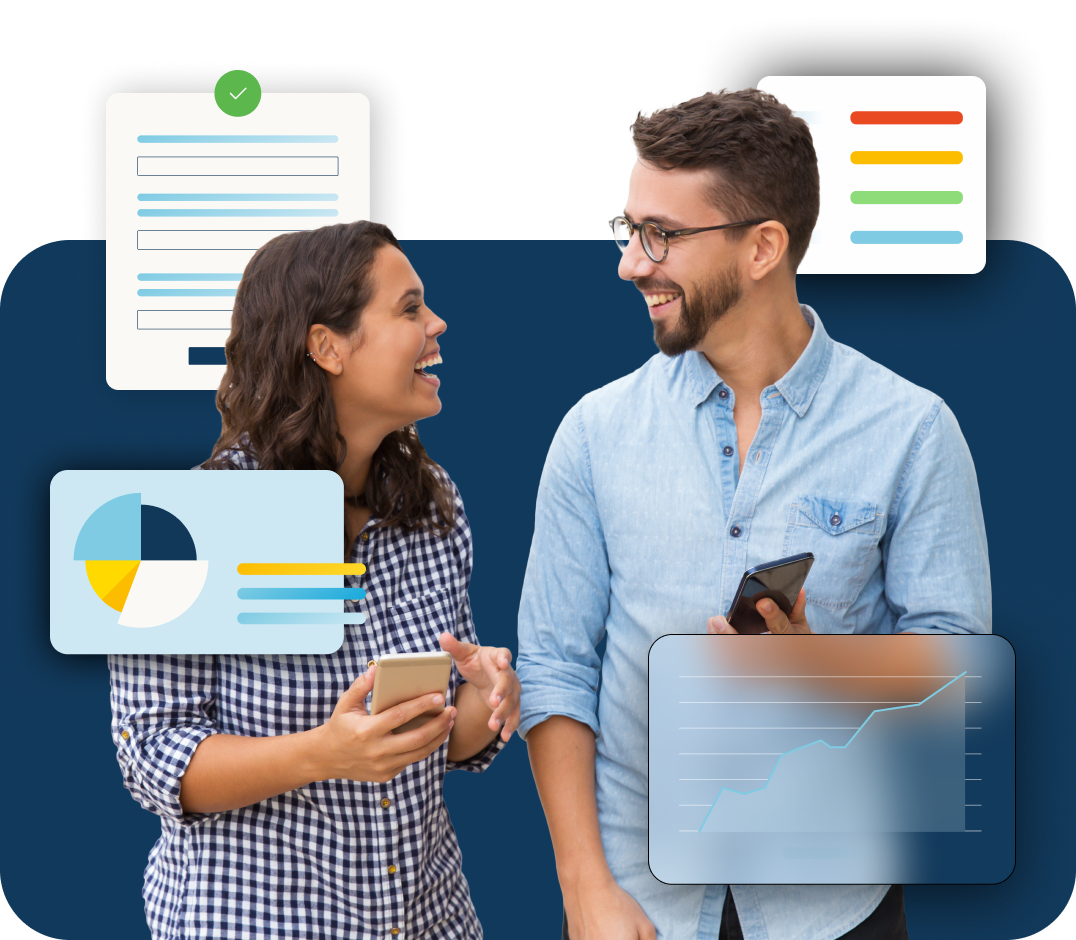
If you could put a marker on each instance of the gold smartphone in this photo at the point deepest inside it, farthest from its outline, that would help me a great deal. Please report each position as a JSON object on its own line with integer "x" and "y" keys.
{"x": 401, "y": 677}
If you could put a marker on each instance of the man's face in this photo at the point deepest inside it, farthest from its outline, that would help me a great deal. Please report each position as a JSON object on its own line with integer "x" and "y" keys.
{"x": 699, "y": 281}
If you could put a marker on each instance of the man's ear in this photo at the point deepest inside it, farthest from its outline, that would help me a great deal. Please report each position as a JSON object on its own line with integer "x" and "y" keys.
{"x": 325, "y": 347}
{"x": 768, "y": 246}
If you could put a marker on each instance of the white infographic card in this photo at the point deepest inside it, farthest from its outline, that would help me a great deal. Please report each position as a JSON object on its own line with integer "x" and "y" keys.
{"x": 191, "y": 192}
{"x": 902, "y": 162}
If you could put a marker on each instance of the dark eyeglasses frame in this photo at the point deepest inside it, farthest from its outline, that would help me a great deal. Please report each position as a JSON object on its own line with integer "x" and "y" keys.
{"x": 634, "y": 227}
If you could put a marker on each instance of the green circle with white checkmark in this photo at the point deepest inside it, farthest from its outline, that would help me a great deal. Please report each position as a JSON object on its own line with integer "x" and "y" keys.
{"x": 237, "y": 93}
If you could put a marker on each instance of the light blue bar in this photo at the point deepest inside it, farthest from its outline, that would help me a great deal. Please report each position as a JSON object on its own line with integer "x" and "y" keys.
{"x": 299, "y": 617}
{"x": 237, "y": 197}
{"x": 186, "y": 292}
{"x": 238, "y": 139}
{"x": 240, "y": 213}
{"x": 301, "y": 594}
{"x": 907, "y": 238}
{"x": 189, "y": 277}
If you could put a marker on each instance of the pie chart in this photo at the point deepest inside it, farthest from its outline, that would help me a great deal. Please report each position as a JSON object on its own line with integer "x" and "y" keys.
{"x": 141, "y": 561}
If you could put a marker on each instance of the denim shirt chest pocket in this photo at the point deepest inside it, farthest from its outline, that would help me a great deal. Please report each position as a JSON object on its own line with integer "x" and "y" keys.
{"x": 843, "y": 535}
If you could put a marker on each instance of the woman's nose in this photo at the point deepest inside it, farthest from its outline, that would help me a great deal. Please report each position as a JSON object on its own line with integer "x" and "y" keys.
{"x": 436, "y": 326}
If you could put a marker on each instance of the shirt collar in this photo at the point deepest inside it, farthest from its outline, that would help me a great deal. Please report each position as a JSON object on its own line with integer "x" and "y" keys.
{"x": 698, "y": 380}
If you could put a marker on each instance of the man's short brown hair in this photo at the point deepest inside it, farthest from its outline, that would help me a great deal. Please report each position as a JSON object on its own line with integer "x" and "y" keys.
{"x": 762, "y": 156}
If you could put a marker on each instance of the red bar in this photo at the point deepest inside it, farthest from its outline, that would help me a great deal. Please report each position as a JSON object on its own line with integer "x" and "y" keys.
{"x": 907, "y": 117}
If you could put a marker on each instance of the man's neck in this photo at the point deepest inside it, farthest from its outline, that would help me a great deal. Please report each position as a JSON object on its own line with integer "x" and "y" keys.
{"x": 756, "y": 342}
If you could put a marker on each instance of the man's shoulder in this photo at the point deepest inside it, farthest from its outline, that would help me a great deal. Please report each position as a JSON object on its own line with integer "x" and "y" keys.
{"x": 875, "y": 387}
{"x": 609, "y": 401}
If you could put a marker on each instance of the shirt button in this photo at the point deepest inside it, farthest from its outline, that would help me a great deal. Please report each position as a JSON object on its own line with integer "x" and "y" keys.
{"x": 392, "y": 869}
{"x": 386, "y": 802}
{"x": 124, "y": 735}
{"x": 365, "y": 536}
{"x": 835, "y": 520}
{"x": 394, "y": 931}
{"x": 726, "y": 450}
{"x": 722, "y": 393}
{"x": 735, "y": 531}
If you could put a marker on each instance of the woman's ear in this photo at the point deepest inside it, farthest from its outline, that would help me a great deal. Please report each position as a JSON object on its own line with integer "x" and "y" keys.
{"x": 325, "y": 347}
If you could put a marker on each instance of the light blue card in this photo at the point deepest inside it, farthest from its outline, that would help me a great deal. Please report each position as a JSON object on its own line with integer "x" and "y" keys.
{"x": 149, "y": 561}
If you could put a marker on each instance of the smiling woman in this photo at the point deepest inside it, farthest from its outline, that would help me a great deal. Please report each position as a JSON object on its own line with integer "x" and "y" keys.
{"x": 268, "y": 773}
{"x": 330, "y": 339}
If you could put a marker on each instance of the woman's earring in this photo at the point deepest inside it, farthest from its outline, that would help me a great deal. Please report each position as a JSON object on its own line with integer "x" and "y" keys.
{"x": 311, "y": 355}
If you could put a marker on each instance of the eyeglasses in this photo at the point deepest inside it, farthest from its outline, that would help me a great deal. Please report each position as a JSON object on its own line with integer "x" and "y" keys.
{"x": 656, "y": 239}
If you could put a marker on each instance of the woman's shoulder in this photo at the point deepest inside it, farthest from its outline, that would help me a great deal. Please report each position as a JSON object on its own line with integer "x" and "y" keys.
{"x": 240, "y": 457}
{"x": 457, "y": 528}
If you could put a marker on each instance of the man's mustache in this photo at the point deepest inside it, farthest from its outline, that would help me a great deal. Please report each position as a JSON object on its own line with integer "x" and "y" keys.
{"x": 657, "y": 284}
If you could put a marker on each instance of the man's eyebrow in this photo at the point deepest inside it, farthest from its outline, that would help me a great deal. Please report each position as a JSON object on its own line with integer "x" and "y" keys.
{"x": 663, "y": 220}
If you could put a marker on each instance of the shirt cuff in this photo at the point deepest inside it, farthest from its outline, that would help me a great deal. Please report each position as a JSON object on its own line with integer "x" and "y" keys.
{"x": 555, "y": 687}
{"x": 481, "y": 760}
{"x": 153, "y": 764}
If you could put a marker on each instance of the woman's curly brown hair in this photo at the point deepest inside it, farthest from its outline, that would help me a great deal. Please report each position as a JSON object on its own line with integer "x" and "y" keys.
{"x": 275, "y": 403}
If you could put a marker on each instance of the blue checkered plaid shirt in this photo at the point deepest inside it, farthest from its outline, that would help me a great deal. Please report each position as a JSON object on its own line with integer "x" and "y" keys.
{"x": 313, "y": 862}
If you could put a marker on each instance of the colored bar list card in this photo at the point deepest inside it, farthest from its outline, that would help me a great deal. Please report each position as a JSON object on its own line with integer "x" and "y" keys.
{"x": 902, "y": 162}
{"x": 190, "y": 194}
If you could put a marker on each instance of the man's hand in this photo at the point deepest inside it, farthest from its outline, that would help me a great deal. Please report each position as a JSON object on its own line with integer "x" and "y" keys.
{"x": 602, "y": 910}
{"x": 795, "y": 622}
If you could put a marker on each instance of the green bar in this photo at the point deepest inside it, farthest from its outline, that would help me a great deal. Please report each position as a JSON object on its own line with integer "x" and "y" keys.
{"x": 906, "y": 197}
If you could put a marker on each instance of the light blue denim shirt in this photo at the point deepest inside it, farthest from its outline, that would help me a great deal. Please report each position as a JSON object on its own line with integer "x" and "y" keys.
{"x": 644, "y": 526}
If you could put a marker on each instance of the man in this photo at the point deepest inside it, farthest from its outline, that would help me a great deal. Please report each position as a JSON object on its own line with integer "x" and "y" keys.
{"x": 752, "y": 436}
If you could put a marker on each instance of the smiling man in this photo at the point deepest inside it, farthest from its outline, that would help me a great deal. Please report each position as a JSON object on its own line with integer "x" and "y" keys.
{"x": 751, "y": 436}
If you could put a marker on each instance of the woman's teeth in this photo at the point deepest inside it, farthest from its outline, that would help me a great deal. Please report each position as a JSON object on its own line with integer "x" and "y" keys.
{"x": 652, "y": 300}
{"x": 434, "y": 360}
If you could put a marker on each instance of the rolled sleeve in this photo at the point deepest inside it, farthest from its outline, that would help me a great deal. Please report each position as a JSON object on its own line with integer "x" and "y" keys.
{"x": 565, "y": 600}
{"x": 935, "y": 553}
{"x": 162, "y": 709}
{"x": 465, "y": 629}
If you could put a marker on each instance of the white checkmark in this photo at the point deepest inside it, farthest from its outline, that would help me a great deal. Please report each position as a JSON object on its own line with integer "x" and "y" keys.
{"x": 236, "y": 96}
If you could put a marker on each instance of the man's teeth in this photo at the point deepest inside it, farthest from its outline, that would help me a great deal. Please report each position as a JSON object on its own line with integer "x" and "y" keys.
{"x": 434, "y": 360}
{"x": 652, "y": 300}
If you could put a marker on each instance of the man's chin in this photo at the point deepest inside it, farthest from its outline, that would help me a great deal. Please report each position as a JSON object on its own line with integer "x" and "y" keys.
{"x": 672, "y": 342}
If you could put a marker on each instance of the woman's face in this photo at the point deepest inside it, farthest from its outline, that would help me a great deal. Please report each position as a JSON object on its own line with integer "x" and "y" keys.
{"x": 379, "y": 374}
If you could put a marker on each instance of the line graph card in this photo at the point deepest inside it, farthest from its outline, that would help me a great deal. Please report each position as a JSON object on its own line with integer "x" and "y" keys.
{"x": 902, "y": 164}
{"x": 190, "y": 194}
{"x": 831, "y": 759}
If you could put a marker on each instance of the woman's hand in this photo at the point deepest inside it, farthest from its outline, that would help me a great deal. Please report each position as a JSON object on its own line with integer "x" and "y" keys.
{"x": 355, "y": 745}
{"x": 487, "y": 669}
{"x": 795, "y": 622}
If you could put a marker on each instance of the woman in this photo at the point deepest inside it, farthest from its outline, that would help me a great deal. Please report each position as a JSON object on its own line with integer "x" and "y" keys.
{"x": 286, "y": 809}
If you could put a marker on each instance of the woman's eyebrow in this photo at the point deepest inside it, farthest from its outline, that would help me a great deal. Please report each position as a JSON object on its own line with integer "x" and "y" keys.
{"x": 415, "y": 292}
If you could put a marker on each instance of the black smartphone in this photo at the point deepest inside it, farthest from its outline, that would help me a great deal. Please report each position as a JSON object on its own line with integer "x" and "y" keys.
{"x": 779, "y": 580}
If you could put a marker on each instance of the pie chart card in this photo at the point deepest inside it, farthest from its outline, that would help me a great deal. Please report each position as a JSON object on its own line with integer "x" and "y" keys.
{"x": 199, "y": 562}
{"x": 902, "y": 162}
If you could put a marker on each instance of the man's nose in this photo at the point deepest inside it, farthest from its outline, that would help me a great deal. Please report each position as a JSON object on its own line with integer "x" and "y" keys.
{"x": 635, "y": 262}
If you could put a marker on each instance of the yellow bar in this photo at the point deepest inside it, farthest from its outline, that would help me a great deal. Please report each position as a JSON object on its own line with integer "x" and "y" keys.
{"x": 907, "y": 156}
{"x": 300, "y": 568}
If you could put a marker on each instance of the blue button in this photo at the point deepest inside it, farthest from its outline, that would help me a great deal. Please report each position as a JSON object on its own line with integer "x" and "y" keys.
{"x": 835, "y": 520}
{"x": 722, "y": 393}
{"x": 735, "y": 531}
{"x": 727, "y": 451}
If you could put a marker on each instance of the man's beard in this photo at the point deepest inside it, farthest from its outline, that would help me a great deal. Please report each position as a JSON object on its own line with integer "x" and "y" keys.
{"x": 713, "y": 299}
